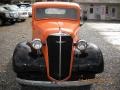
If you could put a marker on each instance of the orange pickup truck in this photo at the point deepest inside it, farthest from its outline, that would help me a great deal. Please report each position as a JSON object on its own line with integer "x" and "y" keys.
{"x": 56, "y": 53}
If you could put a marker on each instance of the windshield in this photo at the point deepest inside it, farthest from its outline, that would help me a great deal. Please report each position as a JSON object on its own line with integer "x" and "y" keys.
{"x": 42, "y": 13}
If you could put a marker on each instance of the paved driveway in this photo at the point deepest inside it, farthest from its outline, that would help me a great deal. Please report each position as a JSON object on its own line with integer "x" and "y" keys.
{"x": 109, "y": 31}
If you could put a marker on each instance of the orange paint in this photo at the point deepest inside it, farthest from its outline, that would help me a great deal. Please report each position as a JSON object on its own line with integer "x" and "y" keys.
{"x": 42, "y": 28}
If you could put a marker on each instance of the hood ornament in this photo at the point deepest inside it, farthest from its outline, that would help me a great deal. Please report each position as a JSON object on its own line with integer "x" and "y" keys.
{"x": 60, "y": 32}
{"x": 60, "y": 29}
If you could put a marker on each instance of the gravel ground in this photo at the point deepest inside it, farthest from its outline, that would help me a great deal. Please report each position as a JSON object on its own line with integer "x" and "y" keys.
{"x": 10, "y": 35}
{"x": 110, "y": 78}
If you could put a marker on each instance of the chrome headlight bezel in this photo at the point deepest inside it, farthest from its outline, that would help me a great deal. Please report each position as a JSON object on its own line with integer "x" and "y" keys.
{"x": 82, "y": 45}
{"x": 36, "y": 44}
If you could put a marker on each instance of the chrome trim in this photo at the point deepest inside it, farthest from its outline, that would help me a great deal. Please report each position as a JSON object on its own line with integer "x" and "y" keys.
{"x": 52, "y": 83}
{"x": 60, "y": 32}
{"x": 82, "y": 42}
{"x": 60, "y": 56}
{"x": 61, "y": 42}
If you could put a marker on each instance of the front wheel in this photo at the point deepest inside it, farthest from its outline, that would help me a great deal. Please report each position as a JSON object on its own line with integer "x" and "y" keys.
{"x": 12, "y": 22}
{"x": 23, "y": 20}
{"x": 82, "y": 87}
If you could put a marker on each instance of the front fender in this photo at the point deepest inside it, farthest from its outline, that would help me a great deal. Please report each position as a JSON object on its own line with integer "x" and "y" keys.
{"x": 89, "y": 61}
{"x": 25, "y": 59}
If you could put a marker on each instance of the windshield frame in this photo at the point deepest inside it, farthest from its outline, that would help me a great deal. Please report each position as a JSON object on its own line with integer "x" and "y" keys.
{"x": 77, "y": 16}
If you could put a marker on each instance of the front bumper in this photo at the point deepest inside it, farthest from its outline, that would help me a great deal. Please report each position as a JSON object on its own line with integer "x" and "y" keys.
{"x": 53, "y": 84}
{"x": 23, "y": 16}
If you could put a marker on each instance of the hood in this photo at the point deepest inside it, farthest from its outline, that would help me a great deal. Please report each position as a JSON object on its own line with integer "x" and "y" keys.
{"x": 45, "y": 27}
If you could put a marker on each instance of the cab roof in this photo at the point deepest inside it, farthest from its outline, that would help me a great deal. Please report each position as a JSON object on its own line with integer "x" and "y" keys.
{"x": 56, "y": 4}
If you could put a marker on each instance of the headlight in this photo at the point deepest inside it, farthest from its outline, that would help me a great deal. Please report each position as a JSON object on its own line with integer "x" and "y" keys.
{"x": 82, "y": 45}
{"x": 37, "y": 44}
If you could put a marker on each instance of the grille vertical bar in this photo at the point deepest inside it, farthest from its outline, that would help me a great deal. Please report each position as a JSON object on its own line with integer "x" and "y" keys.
{"x": 60, "y": 44}
{"x": 55, "y": 46}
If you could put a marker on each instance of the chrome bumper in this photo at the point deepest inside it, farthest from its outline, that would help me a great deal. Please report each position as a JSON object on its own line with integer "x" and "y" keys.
{"x": 52, "y": 84}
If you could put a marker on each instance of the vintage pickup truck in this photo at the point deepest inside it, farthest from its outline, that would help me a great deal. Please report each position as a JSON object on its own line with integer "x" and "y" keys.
{"x": 56, "y": 56}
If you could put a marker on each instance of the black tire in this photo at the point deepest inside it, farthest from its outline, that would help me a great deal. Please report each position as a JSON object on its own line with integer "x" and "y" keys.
{"x": 23, "y": 20}
{"x": 12, "y": 22}
{"x": 25, "y": 87}
{"x": 1, "y": 22}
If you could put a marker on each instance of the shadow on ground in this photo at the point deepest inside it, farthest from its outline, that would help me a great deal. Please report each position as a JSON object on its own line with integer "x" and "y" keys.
{"x": 87, "y": 87}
